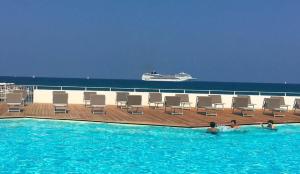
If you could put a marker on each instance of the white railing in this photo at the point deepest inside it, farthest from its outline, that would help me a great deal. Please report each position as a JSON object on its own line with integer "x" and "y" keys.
{"x": 165, "y": 90}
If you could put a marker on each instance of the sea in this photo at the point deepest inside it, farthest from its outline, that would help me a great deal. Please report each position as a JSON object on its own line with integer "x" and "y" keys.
{"x": 127, "y": 83}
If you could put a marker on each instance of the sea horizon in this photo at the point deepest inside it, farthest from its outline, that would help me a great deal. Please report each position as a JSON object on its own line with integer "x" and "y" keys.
{"x": 139, "y": 79}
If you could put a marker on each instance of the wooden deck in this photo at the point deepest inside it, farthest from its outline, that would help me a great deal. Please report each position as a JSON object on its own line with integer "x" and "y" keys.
{"x": 157, "y": 117}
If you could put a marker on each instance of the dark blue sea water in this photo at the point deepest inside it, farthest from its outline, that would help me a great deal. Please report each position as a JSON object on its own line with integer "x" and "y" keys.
{"x": 190, "y": 85}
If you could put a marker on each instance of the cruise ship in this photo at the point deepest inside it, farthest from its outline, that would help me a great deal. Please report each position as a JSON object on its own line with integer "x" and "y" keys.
{"x": 154, "y": 76}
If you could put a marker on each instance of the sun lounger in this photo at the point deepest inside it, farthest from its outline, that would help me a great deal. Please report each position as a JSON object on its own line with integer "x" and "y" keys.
{"x": 60, "y": 102}
{"x": 296, "y": 105}
{"x": 87, "y": 98}
{"x": 97, "y": 103}
{"x": 242, "y": 103}
{"x": 23, "y": 93}
{"x": 121, "y": 99}
{"x": 184, "y": 101}
{"x": 14, "y": 102}
{"x": 134, "y": 104}
{"x": 273, "y": 105}
{"x": 205, "y": 102}
{"x": 156, "y": 99}
{"x": 282, "y": 102}
{"x": 173, "y": 102}
{"x": 217, "y": 101}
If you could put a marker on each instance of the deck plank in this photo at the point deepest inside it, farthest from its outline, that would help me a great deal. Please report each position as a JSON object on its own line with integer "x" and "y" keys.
{"x": 151, "y": 116}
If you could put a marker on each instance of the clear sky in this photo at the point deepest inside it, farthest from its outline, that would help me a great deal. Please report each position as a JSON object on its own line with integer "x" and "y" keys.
{"x": 232, "y": 40}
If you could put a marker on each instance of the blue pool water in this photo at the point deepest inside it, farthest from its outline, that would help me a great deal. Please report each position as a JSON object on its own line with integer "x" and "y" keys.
{"x": 39, "y": 146}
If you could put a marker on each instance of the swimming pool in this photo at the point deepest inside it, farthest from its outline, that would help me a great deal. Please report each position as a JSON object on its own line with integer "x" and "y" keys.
{"x": 44, "y": 146}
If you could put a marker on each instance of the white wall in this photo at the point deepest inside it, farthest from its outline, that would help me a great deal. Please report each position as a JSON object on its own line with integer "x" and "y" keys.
{"x": 76, "y": 97}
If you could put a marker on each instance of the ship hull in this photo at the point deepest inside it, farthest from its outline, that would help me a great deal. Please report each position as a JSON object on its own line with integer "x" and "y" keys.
{"x": 166, "y": 80}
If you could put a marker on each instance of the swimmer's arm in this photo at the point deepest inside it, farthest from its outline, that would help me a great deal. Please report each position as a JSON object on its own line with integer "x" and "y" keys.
{"x": 265, "y": 127}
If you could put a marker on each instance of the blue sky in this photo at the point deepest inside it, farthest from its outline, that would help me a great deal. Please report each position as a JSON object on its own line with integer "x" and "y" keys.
{"x": 233, "y": 40}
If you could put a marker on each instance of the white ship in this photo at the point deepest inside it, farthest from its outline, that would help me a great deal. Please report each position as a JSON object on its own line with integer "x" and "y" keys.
{"x": 154, "y": 76}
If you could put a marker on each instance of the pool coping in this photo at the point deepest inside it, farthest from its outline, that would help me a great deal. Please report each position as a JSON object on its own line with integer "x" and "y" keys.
{"x": 132, "y": 124}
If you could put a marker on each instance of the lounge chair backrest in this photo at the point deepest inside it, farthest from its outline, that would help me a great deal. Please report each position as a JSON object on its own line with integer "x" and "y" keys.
{"x": 14, "y": 98}
{"x": 97, "y": 100}
{"x": 272, "y": 103}
{"x": 58, "y": 92}
{"x": 172, "y": 101}
{"x": 204, "y": 101}
{"x": 155, "y": 97}
{"x": 216, "y": 98}
{"x": 241, "y": 102}
{"x": 297, "y": 103}
{"x": 246, "y": 96}
{"x": 122, "y": 96}
{"x": 17, "y": 91}
{"x": 183, "y": 97}
{"x": 87, "y": 95}
{"x": 60, "y": 98}
{"x": 282, "y": 102}
{"x": 134, "y": 100}
{"x": 23, "y": 92}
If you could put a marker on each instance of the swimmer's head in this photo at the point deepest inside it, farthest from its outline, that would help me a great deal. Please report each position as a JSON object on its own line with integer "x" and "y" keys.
{"x": 212, "y": 124}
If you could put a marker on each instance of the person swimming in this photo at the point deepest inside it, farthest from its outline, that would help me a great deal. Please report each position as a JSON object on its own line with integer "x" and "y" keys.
{"x": 270, "y": 125}
{"x": 212, "y": 128}
{"x": 234, "y": 125}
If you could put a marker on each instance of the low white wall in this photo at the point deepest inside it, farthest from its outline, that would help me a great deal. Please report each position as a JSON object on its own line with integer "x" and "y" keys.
{"x": 76, "y": 97}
